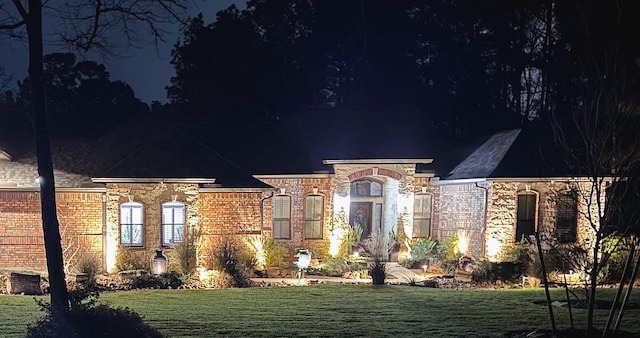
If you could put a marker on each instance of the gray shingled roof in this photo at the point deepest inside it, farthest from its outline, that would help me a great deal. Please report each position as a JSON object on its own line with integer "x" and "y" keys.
{"x": 486, "y": 158}
{"x": 23, "y": 175}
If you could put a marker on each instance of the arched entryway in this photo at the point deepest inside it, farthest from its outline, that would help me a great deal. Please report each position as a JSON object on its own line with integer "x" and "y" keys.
{"x": 366, "y": 207}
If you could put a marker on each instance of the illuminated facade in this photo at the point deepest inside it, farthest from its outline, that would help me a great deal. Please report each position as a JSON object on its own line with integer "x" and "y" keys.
{"x": 138, "y": 213}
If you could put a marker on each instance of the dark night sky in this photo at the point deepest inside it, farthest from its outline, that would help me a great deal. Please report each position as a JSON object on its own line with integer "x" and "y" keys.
{"x": 146, "y": 70}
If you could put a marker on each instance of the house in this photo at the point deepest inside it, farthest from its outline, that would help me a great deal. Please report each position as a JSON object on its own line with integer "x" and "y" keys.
{"x": 137, "y": 189}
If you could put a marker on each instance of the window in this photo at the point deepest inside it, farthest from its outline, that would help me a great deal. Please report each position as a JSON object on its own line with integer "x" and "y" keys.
{"x": 366, "y": 188}
{"x": 525, "y": 225}
{"x": 131, "y": 226}
{"x": 422, "y": 215}
{"x": 313, "y": 209}
{"x": 566, "y": 218}
{"x": 172, "y": 223}
{"x": 282, "y": 217}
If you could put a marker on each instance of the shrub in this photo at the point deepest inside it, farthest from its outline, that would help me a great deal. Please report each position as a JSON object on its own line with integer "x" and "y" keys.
{"x": 231, "y": 257}
{"x": 337, "y": 267}
{"x": 86, "y": 318}
{"x": 422, "y": 249}
{"x": 274, "y": 253}
{"x": 616, "y": 260}
{"x": 167, "y": 280}
{"x": 448, "y": 249}
{"x": 377, "y": 247}
{"x": 183, "y": 256}
{"x": 519, "y": 252}
{"x": 89, "y": 264}
{"x": 126, "y": 260}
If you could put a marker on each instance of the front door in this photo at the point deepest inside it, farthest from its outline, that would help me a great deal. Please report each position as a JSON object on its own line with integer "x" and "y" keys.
{"x": 360, "y": 215}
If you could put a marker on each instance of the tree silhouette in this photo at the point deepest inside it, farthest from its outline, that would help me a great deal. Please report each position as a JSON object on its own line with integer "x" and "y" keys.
{"x": 81, "y": 25}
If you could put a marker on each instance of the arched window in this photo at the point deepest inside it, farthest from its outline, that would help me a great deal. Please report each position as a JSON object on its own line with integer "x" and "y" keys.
{"x": 282, "y": 217}
{"x": 313, "y": 210}
{"x": 526, "y": 217}
{"x": 366, "y": 188}
{"x": 173, "y": 217}
{"x": 422, "y": 215}
{"x": 131, "y": 224}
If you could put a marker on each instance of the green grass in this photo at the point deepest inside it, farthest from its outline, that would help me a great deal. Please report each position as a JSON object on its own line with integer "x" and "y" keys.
{"x": 332, "y": 311}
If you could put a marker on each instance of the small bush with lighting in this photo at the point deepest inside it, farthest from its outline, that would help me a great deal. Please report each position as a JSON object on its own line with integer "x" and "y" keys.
{"x": 183, "y": 256}
{"x": 421, "y": 250}
{"x": 234, "y": 259}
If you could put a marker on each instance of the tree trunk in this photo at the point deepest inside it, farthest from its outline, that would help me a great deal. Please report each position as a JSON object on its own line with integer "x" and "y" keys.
{"x": 50, "y": 227}
{"x": 593, "y": 283}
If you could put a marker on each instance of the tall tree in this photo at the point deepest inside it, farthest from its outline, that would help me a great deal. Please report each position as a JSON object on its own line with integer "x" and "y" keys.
{"x": 597, "y": 134}
{"x": 247, "y": 64}
{"x": 81, "y": 24}
{"x": 82, "y": 101}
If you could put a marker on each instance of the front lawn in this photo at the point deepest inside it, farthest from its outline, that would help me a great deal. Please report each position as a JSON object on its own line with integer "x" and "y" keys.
{"x": 332, "y": 311}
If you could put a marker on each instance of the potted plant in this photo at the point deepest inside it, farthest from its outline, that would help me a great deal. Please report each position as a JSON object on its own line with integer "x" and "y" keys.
{"x": 377, "y": 247}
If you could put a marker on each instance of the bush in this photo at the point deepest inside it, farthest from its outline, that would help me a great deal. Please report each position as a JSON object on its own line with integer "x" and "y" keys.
{"x": 614, "y": 264}
{"x": 421, "y": 250}
{"x": 126, "y": 260}
{"x": 183, "y": 256}
{"x": 86, "y": 318}
{"x": 448, "y": 249}
{"x": 89, "y": 264}
{"x": 167, "y": 280}
{"x": 274, "y": 253}
{"x": 232, "y": 258}
{"x": 337, "y": 267}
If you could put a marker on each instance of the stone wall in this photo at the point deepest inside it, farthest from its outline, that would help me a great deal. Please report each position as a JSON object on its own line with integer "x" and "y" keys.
{"x": 502, "y": 213}
{"x": 80, "y": 216}
{"x": 151, "y": 196}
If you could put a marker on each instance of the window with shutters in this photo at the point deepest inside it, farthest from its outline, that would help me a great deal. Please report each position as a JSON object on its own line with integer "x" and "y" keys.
{"x": 422, "y": 215}
{"x": 173, "y": 217}
{"x": 131, "y": 224}
{"x": 282, "y": 217}
{"x": 566, "y": 218}
{"x": 313, "y": 210}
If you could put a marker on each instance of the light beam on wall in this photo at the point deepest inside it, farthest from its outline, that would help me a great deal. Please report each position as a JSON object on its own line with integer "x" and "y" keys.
{"x": 463, "y": 242}
{"x": 493, "y": 249}
{"x": 111, "y": 248}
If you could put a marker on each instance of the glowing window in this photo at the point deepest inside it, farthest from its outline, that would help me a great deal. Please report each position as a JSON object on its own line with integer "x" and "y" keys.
{"x": 131, "y": 224}
{"x": 313, "y": 209}
{"x": 282, "y": 217}
{"x": 173, "y": 217}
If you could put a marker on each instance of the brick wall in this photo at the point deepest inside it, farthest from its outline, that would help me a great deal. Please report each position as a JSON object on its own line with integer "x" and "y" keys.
{"x": 298, "y": 189}
{"x": 461, "y": 211}
{"x": 228, "y": 213}
{"x": 80, "y": 216}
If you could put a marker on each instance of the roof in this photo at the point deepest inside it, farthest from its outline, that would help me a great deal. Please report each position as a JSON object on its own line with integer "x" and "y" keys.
{"x": 233, "y": 154}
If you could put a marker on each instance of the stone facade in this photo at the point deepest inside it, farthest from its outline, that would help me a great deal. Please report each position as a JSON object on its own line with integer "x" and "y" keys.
{"x": 151, "y": 196}
{"x": 502, "y": 213}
